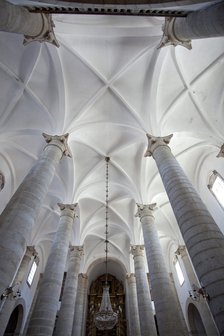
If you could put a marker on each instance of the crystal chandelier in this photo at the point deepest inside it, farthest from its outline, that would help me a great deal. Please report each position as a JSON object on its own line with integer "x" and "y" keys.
{"x": 106, "y": 319}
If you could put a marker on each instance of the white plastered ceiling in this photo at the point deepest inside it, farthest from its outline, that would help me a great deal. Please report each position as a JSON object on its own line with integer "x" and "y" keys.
{"x": 107, "y": 86}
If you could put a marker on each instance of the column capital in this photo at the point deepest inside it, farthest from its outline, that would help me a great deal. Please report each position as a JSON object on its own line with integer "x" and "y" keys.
{"x": 83, "y": 276}
{"x": 2, "y": 180}
{"x": 181, "y": 251}
{"x": 169, "y": 37}
{"x": 60, "y": 141}
{"x": 68, "y": 210}
{"x": 221, "y": 152}
{"x": 137, "y": 250}
{"x": 31, "y": 251}
{"x": 154, "y": 142}
{"x": 145, "y": 210}
{"x": 76, "y": 251}
{"x": 47, "y": 32}
{"x": 130, "y": 277}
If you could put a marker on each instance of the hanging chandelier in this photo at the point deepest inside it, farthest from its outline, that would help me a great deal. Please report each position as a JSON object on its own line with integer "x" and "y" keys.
{"x": 106, "y": 319}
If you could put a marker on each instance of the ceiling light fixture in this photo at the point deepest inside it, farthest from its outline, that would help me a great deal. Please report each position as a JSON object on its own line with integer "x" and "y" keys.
{"x": 106, "y": 319}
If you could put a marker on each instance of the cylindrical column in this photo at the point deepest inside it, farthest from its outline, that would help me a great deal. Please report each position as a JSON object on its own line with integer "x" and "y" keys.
{"x": 80, "y": 305}
{"x": 66, "y": 314}
{"x": 9, "y": 301}
{"x": 146, "y": 316}
{"x": 44, "y": 314}
{"x": 34, "y": 26}
{"x": 202, "y": 236}
{"x": 167, "y": 313}
{"x": 204, "y": 23}
{"x": 18, "y": 218}
{"x": 133, "y": 305}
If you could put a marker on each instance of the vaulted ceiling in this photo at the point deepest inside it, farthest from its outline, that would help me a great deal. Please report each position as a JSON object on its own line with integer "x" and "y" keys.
{"x": 107, "y": 86}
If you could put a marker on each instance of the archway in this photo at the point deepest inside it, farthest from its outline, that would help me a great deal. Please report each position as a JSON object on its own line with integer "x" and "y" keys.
{"x": 195, "y": 321}
{"x": 117, "y": 297}
{"x": 15, "y": 322}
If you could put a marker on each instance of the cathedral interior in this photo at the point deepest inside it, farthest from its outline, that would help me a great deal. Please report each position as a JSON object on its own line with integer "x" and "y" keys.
{"x": 107, "y": 88}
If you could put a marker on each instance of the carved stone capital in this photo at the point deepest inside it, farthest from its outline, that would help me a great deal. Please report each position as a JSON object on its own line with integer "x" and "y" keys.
{"x": 154, "y": 142}
{"x": 2, "y": 180}
{"x": 60, "y": 141}
{"x": 31, "y": 251}
{"x": 145, "y": 210}
{"x": 68, "y": 210}
{"x": 83, "y": 276}
{"x": 169, "y": 37}
{"x": 47, "y": 32}
{"x": 137, "y": 250}
{"x": 76, "y": 251}
{"x": 181, "y": 251}
{"x": 130, "y": 277}
{"x": 221, "y": 152}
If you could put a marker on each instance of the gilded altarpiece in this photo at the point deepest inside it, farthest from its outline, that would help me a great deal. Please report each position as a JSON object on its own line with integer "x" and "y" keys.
{"x": 117, "y": 297}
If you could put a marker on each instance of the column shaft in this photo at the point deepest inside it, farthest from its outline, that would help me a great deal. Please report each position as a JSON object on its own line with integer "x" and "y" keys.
{"x": 18, "y": 218}
{"x": 66, "y": 314}
{"x": 146, "y": 316}
{"x": 208, "y": 22}
{"x": 34, "y": 26}
{"x": 80, "y": 305}
{"x": 19, "y": 20}
{"x": 167, "y": 312}
{"x": 44, "y": 314}
{"x": 133, "y": 306}
{"x": 202, "y": 236}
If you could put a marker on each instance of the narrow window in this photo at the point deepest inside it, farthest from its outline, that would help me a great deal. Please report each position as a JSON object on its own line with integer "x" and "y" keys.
{"x": 179, "y": 272}
{"x": 32, "y": 273}
{"x": 216, "y": 186}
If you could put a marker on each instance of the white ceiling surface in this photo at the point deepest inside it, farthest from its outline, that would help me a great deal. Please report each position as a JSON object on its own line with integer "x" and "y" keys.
{"x": 107, "y": 85}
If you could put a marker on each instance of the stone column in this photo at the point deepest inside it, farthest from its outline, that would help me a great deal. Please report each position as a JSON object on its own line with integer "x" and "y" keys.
{"x": 167, "y": 313}
{"x": 34, "y": 26}
{"x": 146, "y": 316}
{"x": 18, "y": 218}
{"x": 202, "y": 236}
{"x": 66, "y": 313}
{"x": 9, "y": 301}
{"x": 133, "y": 305}
{"x": 204, "y": 23}
{"x": 44, "y": 314}
{"x": 80, "y": 305}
